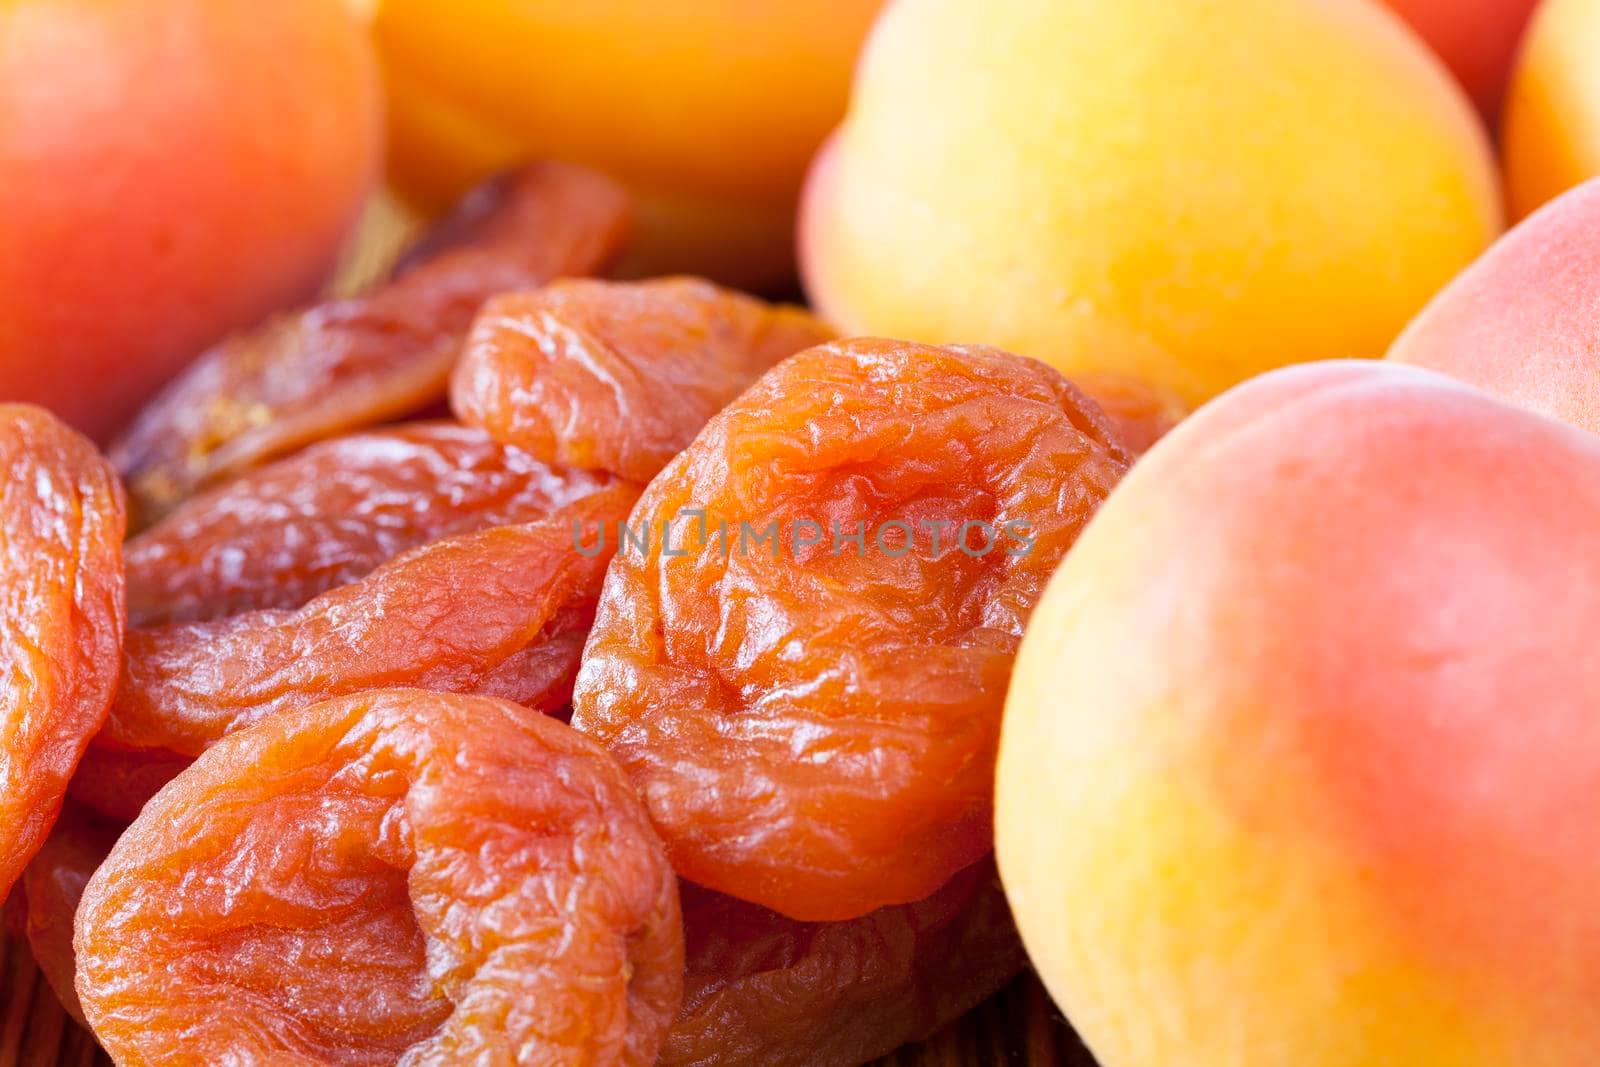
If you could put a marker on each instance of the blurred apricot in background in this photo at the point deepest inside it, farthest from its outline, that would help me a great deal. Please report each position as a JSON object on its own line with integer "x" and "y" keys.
{"x": 1184, "y": 193}
{"x": 708, "y": 109}
{"x": 171, "y": 170}
{"x": 1551, "y": 139}
{"x": 1477, "y": 39}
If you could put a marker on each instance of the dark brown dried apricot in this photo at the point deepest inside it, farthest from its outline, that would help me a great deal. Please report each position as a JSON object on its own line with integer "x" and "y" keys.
{"x": 52, "y": 886}
{"x": 443, "y": 616}
{"x": 281, "y": 534}
{"x": 762, "y": 988}
{"x": 806, "y": 677}
{"x": 397, "y": 876}
{"x": 346, "y": 364}
{"x": 618, "y": 376}
{"x": 116, "y": 783}
{"x": 61, "y": 618}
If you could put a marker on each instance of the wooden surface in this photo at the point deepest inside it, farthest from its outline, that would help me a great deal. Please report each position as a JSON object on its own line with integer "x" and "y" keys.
{"x": 1017, "y": 1028}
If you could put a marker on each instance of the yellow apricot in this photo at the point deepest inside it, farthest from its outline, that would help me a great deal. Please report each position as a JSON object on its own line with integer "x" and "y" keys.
{"x": 708, "y": 109}
{"x": 1189, "y": 193}
{"x": 1551, "y": 139}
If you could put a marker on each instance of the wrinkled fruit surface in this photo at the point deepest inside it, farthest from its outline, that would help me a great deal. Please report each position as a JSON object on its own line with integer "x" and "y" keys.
{"x": 395, "y": 876}
{"x": 760, "y": 988}
{"x": 447, "y": 616}
{"x": 53, "y": 884}
{"x": 618, "y": 376}
{"x": 813, "y": 721}
{"x": 281, "y": 534}
{"x": 61, "y": 618}
{"x": 356, "y": 362}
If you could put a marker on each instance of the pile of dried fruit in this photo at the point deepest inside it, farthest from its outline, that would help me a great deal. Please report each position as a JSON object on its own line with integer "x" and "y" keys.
{"x": 775, "y": 581}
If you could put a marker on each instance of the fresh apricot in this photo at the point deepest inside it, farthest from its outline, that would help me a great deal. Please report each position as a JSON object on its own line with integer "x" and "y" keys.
{"x": 1551, "y": 138}
{"x": 172, "y": 169}
{"x": 1300, "y": 754}
{"x": 1188, "y": 193}
{"x": 707, "y": 109}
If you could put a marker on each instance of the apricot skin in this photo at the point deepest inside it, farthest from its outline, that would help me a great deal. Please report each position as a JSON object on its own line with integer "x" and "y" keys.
{"x": 1300, "y": 753}
{"x": 166, "y": 180}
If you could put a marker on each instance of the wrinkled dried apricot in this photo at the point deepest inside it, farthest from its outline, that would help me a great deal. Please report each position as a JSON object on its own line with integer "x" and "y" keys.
{"x": 1142, "y": 412}
{"x": 762, "y": 988}
{"x": 540, "y": 676}
{"x": 443, "y": 616}
{"x": 394, "y": 876}
{"x": 618, "y": 376}
{"x": 805, "y": 676}
{"x": 61, "y": 618}
{"x": 53, "y": 884}
{"x": 116, "y": 783}
{"x": 308, "y": 375}
{"x": 279, "y": 535}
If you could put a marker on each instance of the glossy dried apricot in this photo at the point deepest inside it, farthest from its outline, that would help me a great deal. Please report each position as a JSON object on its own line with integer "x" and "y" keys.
{"x": 806, "y": 676}
{"x": 61, "y": 618}
{"x": 346, "y": 364}
{"x": 397, "y": 876}
{"x": 281, "y": 534}
{"x": 443, "y": 616}
{"x": 53, "y": 884}
{"x": 762, "y": 988}
{"x": 618, "y": 376}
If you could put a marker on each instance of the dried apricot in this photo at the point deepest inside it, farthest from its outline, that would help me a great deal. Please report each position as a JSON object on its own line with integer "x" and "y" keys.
{"x": 805, "y": 674}
{"x": 540, "y": 676}
{"x": 52, "y": 886}
{"x": 618, "y": 376}
{"x": 281, "y": 534}
{"x": 116, "y": 783}
{"x": 762, "y": 988}
{"x": 1142, "y": 412}
{"x": 395, "y": 876}
{"x": 13, "y": 920}
{"x": 443, "y": 616}
{"x": 342, "y": 365}
{"x": 61, "y": 618}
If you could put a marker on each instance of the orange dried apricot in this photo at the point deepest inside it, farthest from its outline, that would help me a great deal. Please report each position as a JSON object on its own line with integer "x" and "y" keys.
{"x": 805, "y": 676}
{"x": 281, "y": 534}
{"x": 53, "y": 884}
{"x": 540, "y": 676}
{"x": 304, "y": 376}
{"x": 618, "y": 376}
{"x": 397, "y": 876}
{"x": 761, "y": 988}
{"x": 1141, "y": 411}
{"x": 61, "y": 618}
{"x": 442, "y": 616}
